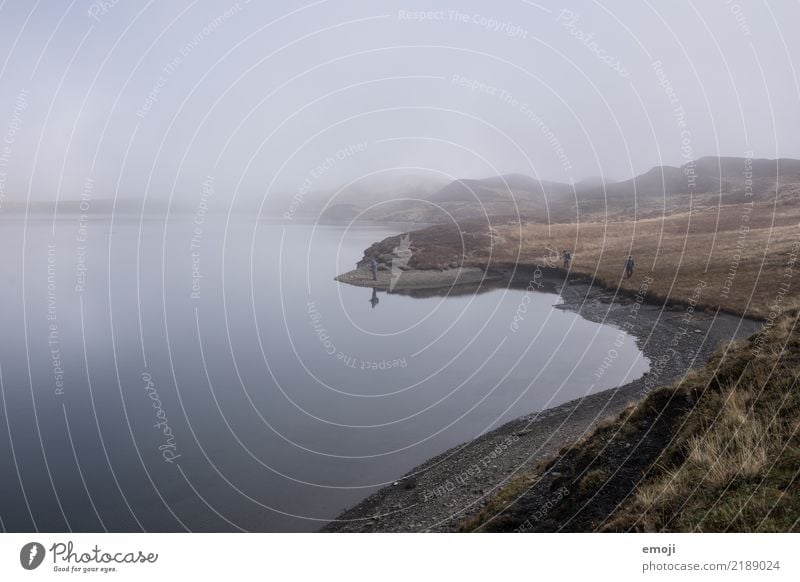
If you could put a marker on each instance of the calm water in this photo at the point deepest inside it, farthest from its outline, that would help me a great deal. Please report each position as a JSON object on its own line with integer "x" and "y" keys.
{"x": 161, "y": 377}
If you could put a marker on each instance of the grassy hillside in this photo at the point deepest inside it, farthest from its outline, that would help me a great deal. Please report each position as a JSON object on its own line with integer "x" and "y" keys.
{"x": 718, "y": 451}
{"x": 739, "y": 254}
{"x": 741, "y": 258}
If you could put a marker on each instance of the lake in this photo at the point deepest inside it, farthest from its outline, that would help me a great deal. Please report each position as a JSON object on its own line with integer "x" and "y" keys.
{"x": 207, "y": 373}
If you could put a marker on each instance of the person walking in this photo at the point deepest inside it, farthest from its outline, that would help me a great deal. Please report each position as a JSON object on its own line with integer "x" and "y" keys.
{"x": 373, "y": 266}
{"x": 567, "y": 258}
{"x": 629, "y": 267}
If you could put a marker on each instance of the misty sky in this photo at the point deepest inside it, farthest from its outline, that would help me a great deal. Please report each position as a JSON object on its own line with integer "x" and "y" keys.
{"x": 156, "y": 96}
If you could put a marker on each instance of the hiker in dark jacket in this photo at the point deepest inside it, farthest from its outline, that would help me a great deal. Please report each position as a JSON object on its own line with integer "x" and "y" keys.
{"x": 629, "y": 267}
{"x": 567, "y": 259}
{"x": 373, "y": 266}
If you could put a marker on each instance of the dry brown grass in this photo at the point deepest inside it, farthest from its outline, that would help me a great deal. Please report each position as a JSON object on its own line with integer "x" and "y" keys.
{"x": 742, "y": 271}
{"x": 730, "y": 461}
{"x": 733, "y": 466}
{"x": 734, "y": 257}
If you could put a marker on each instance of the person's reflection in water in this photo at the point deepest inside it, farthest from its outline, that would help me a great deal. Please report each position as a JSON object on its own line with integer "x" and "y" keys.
{"x": 374, "y": 299}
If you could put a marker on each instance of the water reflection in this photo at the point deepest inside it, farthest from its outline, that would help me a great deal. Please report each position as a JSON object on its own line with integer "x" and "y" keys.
{"x": 541, "y": 281}
{"x": 279, "y": 427}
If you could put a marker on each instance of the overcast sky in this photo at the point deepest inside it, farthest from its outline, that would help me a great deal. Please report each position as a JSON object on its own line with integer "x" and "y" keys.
{"x": 156, "y": 96}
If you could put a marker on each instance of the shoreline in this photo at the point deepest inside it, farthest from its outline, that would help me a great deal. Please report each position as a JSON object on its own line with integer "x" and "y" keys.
{"x": 417, "y": 279}
{"x": 442, "y": 492}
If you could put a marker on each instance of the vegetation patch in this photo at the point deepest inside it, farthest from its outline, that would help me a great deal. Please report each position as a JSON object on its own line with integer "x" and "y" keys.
{"x": 718, "y": 451}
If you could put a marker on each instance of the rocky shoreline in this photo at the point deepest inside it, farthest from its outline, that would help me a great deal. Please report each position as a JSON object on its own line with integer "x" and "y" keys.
{"x": 444, "y": 491}
{"x": 417, "y": 279}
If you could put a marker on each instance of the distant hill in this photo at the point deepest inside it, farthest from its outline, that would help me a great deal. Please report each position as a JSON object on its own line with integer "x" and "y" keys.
{"x": 387, "y": 192}
{"x": 732, "y": 168}
{"x": 465, "y": 191}
{"x": 428, "y": 198}
{"x": 705, "y": 175}
{"x": 400, "y": 196}
{"x": 708, "y": 181}
{"x": 594, "y": 181}
{"x": 509, "y": 187}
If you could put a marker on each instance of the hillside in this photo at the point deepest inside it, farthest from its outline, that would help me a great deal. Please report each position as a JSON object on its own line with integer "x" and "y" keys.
{"x": 703, "y": 183}
{"x": 717, "y": 451}
{"x": 742, "y": 253}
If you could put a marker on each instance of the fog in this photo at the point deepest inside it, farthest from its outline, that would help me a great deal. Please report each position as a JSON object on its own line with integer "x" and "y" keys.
{"x": 152, "y": 99}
